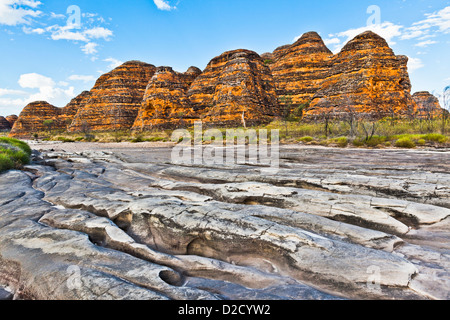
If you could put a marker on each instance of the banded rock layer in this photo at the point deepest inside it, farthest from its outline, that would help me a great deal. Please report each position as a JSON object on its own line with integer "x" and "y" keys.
{"x": 428, "y": 105}
{"x": 165, "y": 102}
{"x": 115, "y": 99}
{"x": 33, "y": 117}
{"x": 12, "y": 119}
{"x": 4, "y": 124}
{"x": 367, "y": 78}
{"x": 236, "y": 88}
{"x": 240, "y": 88}
{"x": 300, "y": 69}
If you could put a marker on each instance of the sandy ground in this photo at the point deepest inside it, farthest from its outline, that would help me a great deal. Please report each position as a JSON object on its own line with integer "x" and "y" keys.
{"x": 94, "y": 146}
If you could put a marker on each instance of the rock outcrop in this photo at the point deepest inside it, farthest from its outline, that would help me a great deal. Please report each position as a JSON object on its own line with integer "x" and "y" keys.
{"x": 115, "y": 99}
{"x": 165, "y": 102}
{"x": 300, "y": 69}
{"x": 36, "y": 117}
{"x": 241, "y": 88}
{"x": 129, "y": 224}
{"x": 428, "y": 106}
{"x": 12, "y": 119}
{"x": 365, "y": 78}
{"x": 236, "y": 88}
{"x": 4, "y": 124}
{"x": 190, "y": 75}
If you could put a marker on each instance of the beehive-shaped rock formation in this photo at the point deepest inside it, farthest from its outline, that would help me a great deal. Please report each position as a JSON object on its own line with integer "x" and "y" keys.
{"x": 365, "y": 78}
{"x": 236, "y": 88}
{"x": 115, "y": 99}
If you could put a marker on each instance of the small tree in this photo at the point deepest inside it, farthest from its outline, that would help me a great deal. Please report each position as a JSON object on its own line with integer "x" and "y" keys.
{"x": 369, "y": 128}
{"x": 286, "y": 111}
{"x": 48, "y": 124}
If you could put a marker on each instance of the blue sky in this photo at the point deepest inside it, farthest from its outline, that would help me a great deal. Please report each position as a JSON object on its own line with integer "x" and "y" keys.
{"x": 54, "y": 49}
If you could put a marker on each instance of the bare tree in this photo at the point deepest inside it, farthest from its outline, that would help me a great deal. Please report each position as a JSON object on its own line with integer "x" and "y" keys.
{"x": 369, "y": 128}
{"x": 446, "y": 108}
{"x": 286, "y": 111}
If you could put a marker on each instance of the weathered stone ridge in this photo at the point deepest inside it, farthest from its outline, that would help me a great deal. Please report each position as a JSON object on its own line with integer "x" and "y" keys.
{"x": 242, "y": 88}
{"x": 236, "y": 88}
{"x": 365, "y": 78}
{"x": 300, "y": 69}
{"x": 32, "y": 118}
{"x": 12, "y": 119}
{"x": 428, "y": 105}
{"x": 115, "y": 99}
{"x": 4, "y": 124}
{"x": 135, "y": 225}
{"x": 165, "y": 102}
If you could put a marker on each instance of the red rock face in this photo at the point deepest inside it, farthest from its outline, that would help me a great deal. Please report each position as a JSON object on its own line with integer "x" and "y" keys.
{"x": 39, "y": 116}
{"x": 69, "y": 112}
{"x": 428, "y": 105}
{"x": 12, "y": 119}
{"x": 165, "y": 103}
{"x": 190, "y": 75}
{"x": 115, "y": 99}
{"x": 4, "y": 124}
{"x": 240, "y": 88}
{"x": 367, "y": 78}
{"x": 300, "y": 69}
{"x": 236, "y": 88}
{"x": 76, "y": 103}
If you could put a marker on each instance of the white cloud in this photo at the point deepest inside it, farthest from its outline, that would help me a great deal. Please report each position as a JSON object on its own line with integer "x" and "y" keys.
{"x": 15, "y": 12}
{"x": 440, "y": 20}
{"x": 57, "y": 16}
{"x": 34, "y": 80}
{"x": 415, "y": 64}
{"x": 424, "y": 44}
{"x": 163, "y": 5}
{"x": 42, "y": 88}
{"x": 90, "y": 48}
{"x": 29, "y": 30}
{"x": 434, "y": 22}
{"x": 114, "y": 63}
{"x": 332, "y": 41}
{"x": 387, "y": 30}
{"x": 8, "y": 92}
{"x": 66, "y": 33}
{"x": 72, "y": 34}
{"x": 98, "y": 33}
{"x": 83, "y": 78}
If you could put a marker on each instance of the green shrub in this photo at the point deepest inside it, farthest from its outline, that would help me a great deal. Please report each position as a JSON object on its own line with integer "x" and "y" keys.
{"x": 155, "y": 139}
{"x": 17, "y": 143}
{"x": 358, "y": 142}
{"x": 375, "y": 141}
{"x": 5, "y": 162}
{"x": 435, "y": 137}
{"x": 65, "y": 140}
{"x": 13, "y": 154}
{"x": 342, "y": 142}
{"x": 421, "y": 142}
{"x": 137, "y": 139}
{"x": 306, "y": 139}
{"x": 405, "y": 143}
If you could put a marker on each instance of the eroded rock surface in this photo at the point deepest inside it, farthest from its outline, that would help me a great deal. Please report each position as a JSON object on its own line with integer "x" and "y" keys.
{"x": 366, "y": 78}
{"x": 115, "y": 98}
{"x": 37, "y": 117}
{"x": 428, "y": 105}
{"x": 128, "y": 224}
{"x": 5, "y": 125}
{"x": 236, "y": 88}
